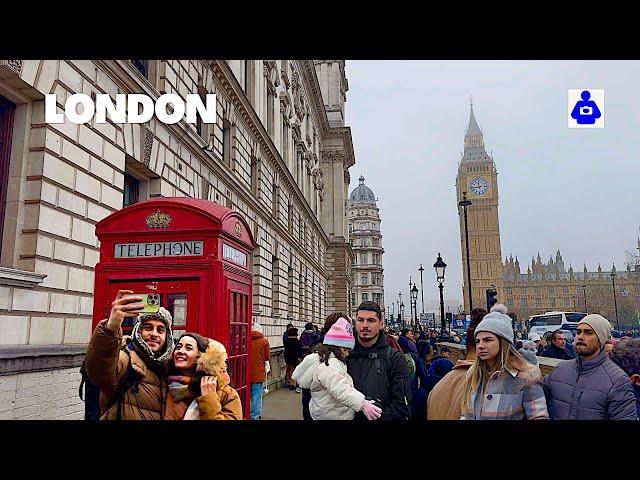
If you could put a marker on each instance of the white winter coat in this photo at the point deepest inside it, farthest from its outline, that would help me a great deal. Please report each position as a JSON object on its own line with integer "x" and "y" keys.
{"x": 332, "y": 394}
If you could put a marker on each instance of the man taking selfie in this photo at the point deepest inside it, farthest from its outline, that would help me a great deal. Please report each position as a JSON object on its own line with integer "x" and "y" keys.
{"x": 129, "y": 370}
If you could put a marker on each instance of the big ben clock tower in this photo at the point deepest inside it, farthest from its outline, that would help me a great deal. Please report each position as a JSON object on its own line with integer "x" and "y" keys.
{"x": 477, "y": 176}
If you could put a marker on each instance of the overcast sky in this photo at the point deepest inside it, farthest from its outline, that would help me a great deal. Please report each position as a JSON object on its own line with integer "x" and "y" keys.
{"x": 575, "y": 190}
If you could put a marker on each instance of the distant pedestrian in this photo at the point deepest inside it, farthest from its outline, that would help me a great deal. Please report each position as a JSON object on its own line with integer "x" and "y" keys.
{"x": 501, "y": 385}
{"x": 559, "y": 348}
{"x": 590, "y": 387}
{"x": 324, "y": 372}
{"x": 308, "y": 339}
{"x": 260, "y": 366}
{"x": 286, "y": 333}
{"x": 292, "y": 356}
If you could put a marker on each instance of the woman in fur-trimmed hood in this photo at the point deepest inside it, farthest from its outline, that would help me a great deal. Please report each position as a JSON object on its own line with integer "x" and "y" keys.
{"x": 198, "y": 382}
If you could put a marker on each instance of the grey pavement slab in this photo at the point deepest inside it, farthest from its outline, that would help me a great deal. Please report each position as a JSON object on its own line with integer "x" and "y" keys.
{"x": 282, "y": 404}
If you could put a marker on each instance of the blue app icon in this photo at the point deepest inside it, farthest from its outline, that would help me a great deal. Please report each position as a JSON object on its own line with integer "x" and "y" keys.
{"x": 585, "y": 111}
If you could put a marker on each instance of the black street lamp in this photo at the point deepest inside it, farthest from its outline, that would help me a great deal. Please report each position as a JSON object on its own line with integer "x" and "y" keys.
{"x": 410, "y": 303}
{"x": 464, "y": 203}
{"x": 440, "y": 267}
{"x": 402, "y": 313}
{"x": 615, "y": 303}
{"x": 584, "y": 292}
{"x": 421, "y": 289}
{"x": 414, "y": 298}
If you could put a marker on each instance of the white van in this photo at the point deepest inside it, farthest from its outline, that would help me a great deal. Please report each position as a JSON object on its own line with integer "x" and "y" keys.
{"x": 550, "y": 321}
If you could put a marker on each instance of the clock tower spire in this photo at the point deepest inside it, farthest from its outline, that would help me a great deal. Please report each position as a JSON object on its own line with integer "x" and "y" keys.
{"x": 478, "y": 177}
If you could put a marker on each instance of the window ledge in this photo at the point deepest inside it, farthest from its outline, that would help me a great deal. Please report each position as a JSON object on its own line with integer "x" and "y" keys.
{"x": 20, "y": 278}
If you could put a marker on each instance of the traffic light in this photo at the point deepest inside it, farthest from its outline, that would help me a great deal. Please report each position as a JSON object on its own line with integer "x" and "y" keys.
{"x": 492, "y": 299}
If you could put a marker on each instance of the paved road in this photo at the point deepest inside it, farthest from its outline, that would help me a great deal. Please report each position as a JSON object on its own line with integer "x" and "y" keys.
{"x": 282, "y": 404}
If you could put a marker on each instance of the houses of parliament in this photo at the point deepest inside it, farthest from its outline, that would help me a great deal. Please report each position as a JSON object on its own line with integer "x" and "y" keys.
{"x": 537, "y": 286}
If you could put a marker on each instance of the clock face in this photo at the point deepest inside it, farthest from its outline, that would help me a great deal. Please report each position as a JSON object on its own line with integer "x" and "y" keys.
{"x": 479, "y": 186}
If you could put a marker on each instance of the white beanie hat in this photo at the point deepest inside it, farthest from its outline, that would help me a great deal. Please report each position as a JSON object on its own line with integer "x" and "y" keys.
{"x": 257, "y": 327}
{"x": 497, "y": 323}
{"x": 600, "y": 325}
{"x": 534, "y": 337}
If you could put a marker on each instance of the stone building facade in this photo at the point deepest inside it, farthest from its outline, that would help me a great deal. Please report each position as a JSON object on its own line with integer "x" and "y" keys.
{"x": 544, "y": 287}
{"x": 366, "y": 239}
{"x": 279, "y": 153}
{"x": 552, "y": 287}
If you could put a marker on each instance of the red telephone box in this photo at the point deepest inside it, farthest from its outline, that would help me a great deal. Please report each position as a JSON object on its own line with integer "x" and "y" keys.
{"x": 196, "y": 255}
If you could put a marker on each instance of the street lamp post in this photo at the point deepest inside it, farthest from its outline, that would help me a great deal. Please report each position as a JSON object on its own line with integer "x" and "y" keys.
{"x": 615, "y": 303}
{"x": 414, "y": 298}
{"x": 464, "y": 203}
{"x": 421, "y": 289}
{"x": 440, "y": 267}
{"x": 410, "y": 303}
{"x": 402, "y": 314}
{"x": 584, "y": 292}
{"x": 399, "y": 309}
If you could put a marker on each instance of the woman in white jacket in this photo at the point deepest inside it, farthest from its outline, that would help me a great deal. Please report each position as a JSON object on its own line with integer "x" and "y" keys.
{"x": 324, "y": 372}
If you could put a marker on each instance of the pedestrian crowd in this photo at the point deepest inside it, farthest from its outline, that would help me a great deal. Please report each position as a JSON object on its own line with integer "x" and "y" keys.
{"x": 359, "y": 370}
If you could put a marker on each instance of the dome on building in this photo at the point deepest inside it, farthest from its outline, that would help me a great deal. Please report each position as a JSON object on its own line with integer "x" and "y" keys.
{"x": 362, "y": 193}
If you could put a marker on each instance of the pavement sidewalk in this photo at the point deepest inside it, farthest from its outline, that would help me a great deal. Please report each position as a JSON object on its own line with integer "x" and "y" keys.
{"x": 282, "y": 404}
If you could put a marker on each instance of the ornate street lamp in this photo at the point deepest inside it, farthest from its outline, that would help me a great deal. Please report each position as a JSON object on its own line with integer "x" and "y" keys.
{"x": 615, "y": 303}
{"x": 402, "y": 313}
{"x": 464, "y": 203}
{"x": 414, "y": 299}
{"x": 440, "y": 267}
{"x": 421, "y": 289}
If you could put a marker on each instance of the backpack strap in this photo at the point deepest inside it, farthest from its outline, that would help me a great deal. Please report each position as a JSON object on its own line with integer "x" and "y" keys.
{"x": 131, "y": 379}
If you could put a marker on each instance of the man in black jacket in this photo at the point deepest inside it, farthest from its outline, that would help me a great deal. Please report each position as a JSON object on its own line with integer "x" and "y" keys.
{"x": 379, "y": 371}
{"x": 559, "y": 348}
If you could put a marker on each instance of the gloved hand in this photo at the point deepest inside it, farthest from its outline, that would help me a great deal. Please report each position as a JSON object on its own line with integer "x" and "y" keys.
{"x": 370, "y": 410}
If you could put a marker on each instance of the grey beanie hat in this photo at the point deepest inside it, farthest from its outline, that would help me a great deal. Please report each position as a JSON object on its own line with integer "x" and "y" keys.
{"x": 497, "y": 323}
{"x": 600, "y": 325}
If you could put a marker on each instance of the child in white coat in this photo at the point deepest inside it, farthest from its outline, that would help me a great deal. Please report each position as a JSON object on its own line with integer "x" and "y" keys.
{"x": 324, "y": 372}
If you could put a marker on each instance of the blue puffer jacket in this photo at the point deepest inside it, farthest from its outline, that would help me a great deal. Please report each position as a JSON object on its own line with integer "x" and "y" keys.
{"x": 589, "y": 390}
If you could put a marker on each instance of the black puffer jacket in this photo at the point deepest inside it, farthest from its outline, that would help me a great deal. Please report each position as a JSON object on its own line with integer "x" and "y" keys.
{"x": 380, "y": 372}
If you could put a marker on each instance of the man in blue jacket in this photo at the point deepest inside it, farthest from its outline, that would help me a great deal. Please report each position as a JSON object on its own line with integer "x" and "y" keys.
{"x": 559, "y": 348}
{"x": 590, "y": 387}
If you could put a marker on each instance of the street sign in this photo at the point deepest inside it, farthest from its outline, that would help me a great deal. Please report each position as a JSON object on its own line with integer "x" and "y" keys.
{"x": 427, "y": 319}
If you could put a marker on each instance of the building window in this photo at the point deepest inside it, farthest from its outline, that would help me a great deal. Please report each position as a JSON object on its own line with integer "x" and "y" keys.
{"x": 365, "y": 297}
{"x": 275, "y": 199}
{"x": 364, "y": 258}
{"x": 142, "y": 66}
{"x": 270, "y": 100}
{"x": 290, "y": 294}
{"x": 376, "y": 298}
{"x": 376, "y": 259}
{"x": 285, "y": 140}
{"x": 353, "y": 300}
{"x": 364, "y": 279}
{"x": 523, "y": 302}
{"x": 254, "y": 176}
{"x": 131, "y": 190}
{"x": 249, "y": 79}
{"x": 228, "y": 134}
{"x": 202, "y": 92}
{"x": 7, "y": 110}
{"x": 565, "y": 289}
